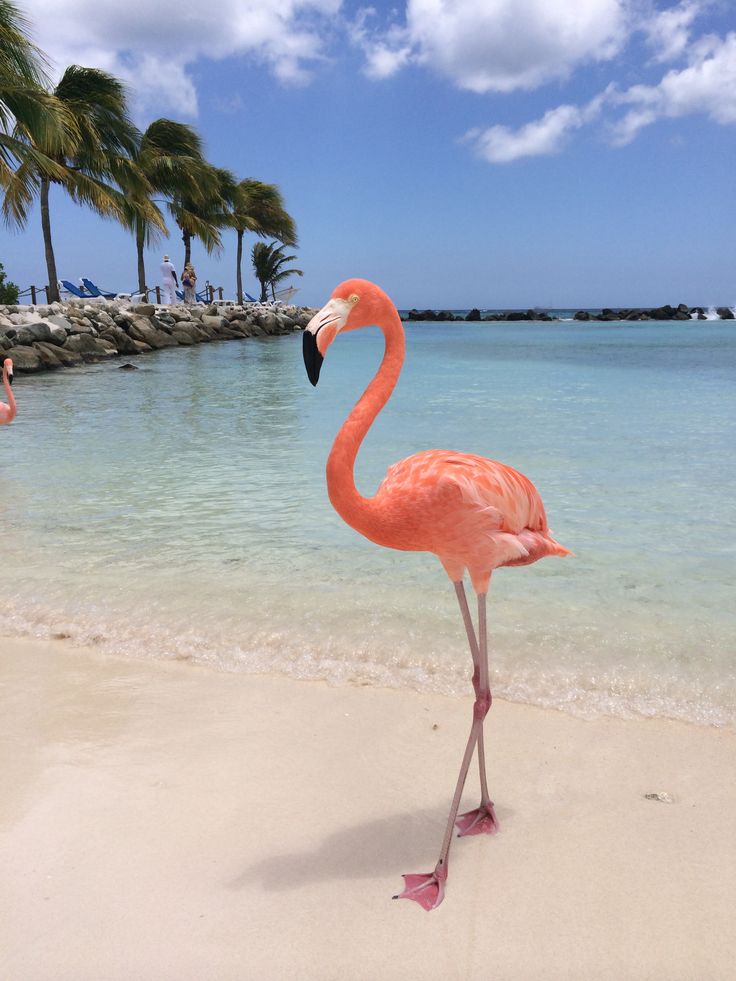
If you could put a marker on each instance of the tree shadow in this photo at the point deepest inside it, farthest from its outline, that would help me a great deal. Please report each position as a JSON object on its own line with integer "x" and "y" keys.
{"x": 407, "y": 842}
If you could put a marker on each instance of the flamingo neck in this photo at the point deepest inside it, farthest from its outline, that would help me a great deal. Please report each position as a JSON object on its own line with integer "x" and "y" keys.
{"x": 358, "y": 511}
{"x": 9, "y": 393}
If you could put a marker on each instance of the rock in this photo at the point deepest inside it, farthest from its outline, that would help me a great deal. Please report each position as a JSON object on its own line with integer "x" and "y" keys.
{"x": 182, "y": 337}
{"x": 47, "y": 354}
{"x": 128, "y": 367}
{"x": 142, "y": 330}
{"x": 144, "y": 309}
{"x": 473, "y": 315}
{"x": 89, "y": 347}
{"x": 60, "y": 321}
{"x": 581, "y": 315}
{"x": 29, "y": 333}
{"x": 58, "y": 336}
{"x": 26, "y": 358}
{"x": 213, "y": 321}
{"x": 143, "y": 348}
{"x": 68, "y": 359}
{"x": 83, "y": 326}
{"x": 119, "y": 340}
{"x": 725, "y": 313}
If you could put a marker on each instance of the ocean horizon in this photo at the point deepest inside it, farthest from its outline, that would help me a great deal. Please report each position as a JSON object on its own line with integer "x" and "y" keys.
{"x": 183, "y": 513}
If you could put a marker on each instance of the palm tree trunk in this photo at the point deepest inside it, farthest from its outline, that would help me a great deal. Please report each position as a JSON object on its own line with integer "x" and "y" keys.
{"x": 239, "y": 271}
{"x": 264, "y": 294}
{"x": 141, "y": 262}
{"x": 48, "y": 246}
{"x": 187, "y": 240}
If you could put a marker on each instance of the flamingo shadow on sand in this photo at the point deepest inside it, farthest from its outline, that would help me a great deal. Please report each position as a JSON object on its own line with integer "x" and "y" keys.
{"x": 474, "y": 514}
{"x": 361, "y": 851}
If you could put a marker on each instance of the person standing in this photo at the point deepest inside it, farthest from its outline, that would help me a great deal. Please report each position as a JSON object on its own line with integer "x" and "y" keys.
{"x": 169, "y": 282}
{"x": 189, "y": 282}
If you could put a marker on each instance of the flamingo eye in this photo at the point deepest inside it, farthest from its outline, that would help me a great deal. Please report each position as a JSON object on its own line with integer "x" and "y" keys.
{"x": 353, "y": 298}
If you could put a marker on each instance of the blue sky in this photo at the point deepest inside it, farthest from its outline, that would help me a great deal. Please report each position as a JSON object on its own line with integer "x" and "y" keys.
{"x": 497, "y": 153}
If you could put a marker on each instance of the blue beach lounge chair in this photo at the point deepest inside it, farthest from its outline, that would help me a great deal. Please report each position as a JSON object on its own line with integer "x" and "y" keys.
{"x": 74, "y": 290}
{"x": 96, "y": 291}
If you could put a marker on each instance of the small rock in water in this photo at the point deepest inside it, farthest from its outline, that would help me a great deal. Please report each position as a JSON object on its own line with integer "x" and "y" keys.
{"x": 665, "y": 798}
{"x": 128, "y": 367}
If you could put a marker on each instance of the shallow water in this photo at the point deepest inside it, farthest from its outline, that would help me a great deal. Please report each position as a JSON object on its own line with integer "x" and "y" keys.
{"x": 180, "y": 511}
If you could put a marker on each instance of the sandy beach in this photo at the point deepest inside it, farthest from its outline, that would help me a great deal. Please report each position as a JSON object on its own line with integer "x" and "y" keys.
{"x": 162, "y": 821}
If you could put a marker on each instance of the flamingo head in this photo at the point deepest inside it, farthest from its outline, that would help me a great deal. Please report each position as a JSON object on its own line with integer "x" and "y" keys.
{"x": 353, "y": 304}
{"x": 8, "y": 370}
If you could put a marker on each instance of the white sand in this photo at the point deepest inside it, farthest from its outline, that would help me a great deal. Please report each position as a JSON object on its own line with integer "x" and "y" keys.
{"x": 159, "y": 821}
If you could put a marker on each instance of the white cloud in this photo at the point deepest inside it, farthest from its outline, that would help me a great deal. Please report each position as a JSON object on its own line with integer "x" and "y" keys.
{"x": 498, "y": 45}
{"x": 707, "y": 86}
{"x": 153, "y": 44}
{"x": 668, "y": 31}
{"x": 542, "y": 137}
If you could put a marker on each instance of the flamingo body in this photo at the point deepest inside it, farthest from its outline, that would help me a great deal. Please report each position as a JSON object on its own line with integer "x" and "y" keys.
{"x": 7, "y": 412}
{"x": 474, "y": 514}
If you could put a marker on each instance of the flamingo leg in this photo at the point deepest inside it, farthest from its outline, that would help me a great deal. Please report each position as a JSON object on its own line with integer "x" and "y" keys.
{"x": 428, "y": 889}
{"x": 475, "y": 654}
{"x": 482, "y": 820}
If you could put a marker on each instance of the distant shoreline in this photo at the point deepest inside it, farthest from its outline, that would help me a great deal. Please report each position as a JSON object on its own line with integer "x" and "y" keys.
{"x": 602, "y": 314}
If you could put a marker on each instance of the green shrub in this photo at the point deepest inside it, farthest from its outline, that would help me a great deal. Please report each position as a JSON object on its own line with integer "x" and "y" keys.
{"x": 8, "y": 291}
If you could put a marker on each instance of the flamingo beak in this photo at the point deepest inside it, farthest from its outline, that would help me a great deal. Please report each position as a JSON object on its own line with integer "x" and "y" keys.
{"x": 320, "y": 332}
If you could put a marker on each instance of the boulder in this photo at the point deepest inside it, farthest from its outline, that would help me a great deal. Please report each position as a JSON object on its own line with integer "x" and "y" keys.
{"x": 68, "y": 359}
{"x": 119, "y": 340}
{"x": 474, "y": 314}
{"x": 29, "y": 333}
{"x": 182, "y": 336}
{"x": 213, "y": 321}
{"x": 59, "y": 321}
{"x": 725, "y": 313}
{"x": 26, "y": 358}
{"x": 58, "y": 336}
{"x": 47, "y": 354}
{"x": 144, "y": 309}
{"x": 91, "y": 348}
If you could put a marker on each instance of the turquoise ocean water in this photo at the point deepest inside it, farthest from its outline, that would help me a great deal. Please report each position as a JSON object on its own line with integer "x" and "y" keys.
{"x": 180, "y": 511}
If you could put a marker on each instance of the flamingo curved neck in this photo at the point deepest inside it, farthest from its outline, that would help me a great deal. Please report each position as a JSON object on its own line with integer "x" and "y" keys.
{"x": 358, "y": 511}
{"x": 11, "y": 398}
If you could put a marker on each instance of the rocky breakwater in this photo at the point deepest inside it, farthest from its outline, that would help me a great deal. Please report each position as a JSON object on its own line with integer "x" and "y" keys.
{"x": 63, "y": 335}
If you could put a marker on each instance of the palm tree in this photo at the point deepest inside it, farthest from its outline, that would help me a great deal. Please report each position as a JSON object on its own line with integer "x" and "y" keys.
{"x": 259, "y": 208}
{"x": 204, "y": 207}
{"x": 93, "y": 160}
{"x": 170, "y": 157}
{"x": 29, "y": 115}
{"x": 268, "y": 263}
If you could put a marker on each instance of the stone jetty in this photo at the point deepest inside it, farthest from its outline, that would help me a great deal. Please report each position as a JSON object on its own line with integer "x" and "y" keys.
{"x": 62, "y": 335}
{"x": 667, "y": 312}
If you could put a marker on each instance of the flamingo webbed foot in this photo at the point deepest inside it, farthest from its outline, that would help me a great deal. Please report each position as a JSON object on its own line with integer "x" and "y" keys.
{"x": 481, "y": 821}
{"x": 427, "y": 888}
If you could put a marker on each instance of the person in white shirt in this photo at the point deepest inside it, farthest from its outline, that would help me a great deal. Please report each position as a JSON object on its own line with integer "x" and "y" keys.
{"x": 169, "y": 282}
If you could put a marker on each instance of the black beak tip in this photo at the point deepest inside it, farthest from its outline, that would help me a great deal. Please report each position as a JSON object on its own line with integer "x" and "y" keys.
{"x": 312, "y": 358}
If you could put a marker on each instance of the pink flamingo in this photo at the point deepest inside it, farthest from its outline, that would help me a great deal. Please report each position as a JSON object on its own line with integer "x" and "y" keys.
{"x": 474, "y": 514}
{"x": 7, "y": 412}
